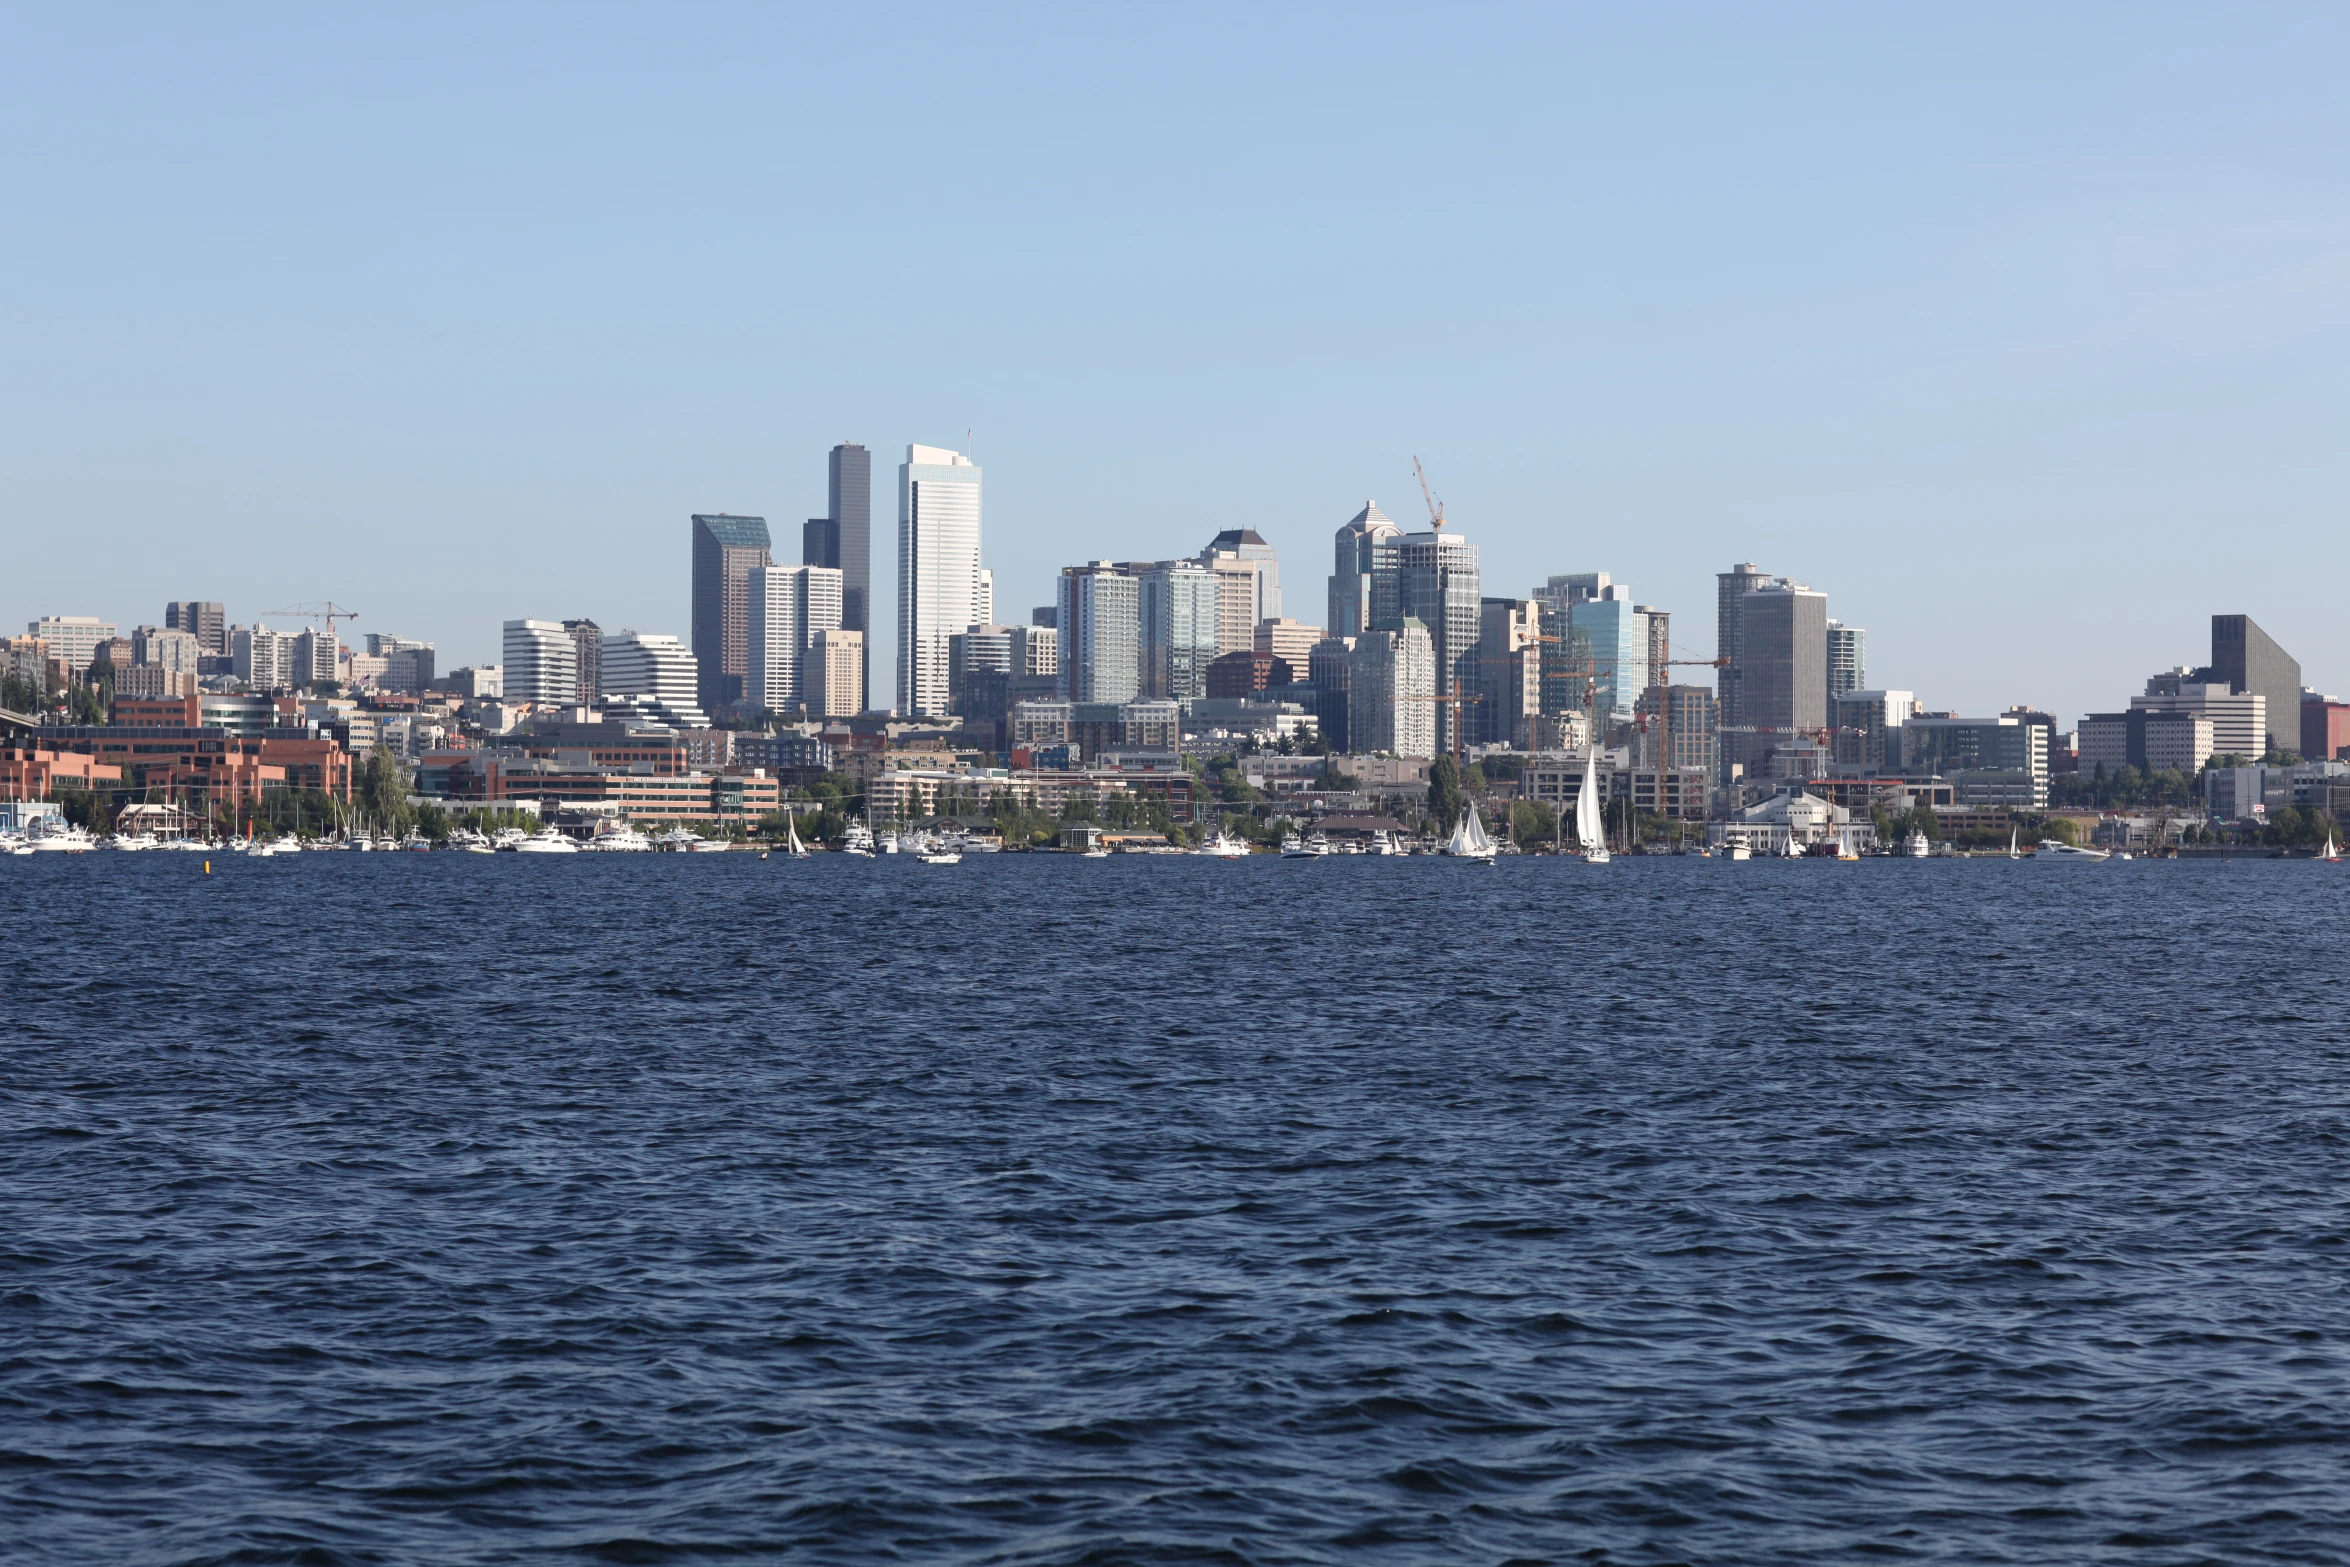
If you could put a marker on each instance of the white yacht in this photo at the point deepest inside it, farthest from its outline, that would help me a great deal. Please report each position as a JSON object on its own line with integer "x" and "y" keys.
{"x": 857, "y": 840}
{"x": 1736, "y": 849}
{"x": 2051, "y": 849}
{"x": 546, "y": 841}
{"x": 1224, "y": 846}
{"x": 708, "y": 846}
{"x": 64, "y": 840}
{"x": 617, "y": 837}
{"x": 1916, "y": 847}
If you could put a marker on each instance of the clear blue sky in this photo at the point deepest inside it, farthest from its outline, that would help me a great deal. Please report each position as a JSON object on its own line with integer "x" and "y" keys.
{"x": 2022, "y": 332}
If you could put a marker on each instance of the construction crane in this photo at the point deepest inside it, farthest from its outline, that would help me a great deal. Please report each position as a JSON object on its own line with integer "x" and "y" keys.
{"x": 330, "y": 612}
{"x": 1435, "y": 506}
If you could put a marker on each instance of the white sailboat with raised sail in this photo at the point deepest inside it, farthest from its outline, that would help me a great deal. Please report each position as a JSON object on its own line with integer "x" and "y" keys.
{"x": 1587, "y": 815}
{"x": 793, "y": 847}
{"x": 1470, "y": 841}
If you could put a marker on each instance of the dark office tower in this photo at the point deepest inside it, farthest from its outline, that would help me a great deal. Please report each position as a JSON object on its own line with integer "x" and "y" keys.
{"x": 1782, "y": 665}
{"x": 849, "y": 494}
{"x": 587, "y": 643}
{"x": 726, "y": 551}
{"x": 1732, "y": 586}
{"x": 201, "y": 619}
{"x": 2244, "y": 656}
{"x": 1046, "y": 615}
{"x": 820, "y": 544}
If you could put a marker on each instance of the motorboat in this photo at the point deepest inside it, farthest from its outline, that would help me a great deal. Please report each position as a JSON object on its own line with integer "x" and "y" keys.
{"x": 546, "y": 841}
{"x": 676, "y": 840}
{"x": 708, "y": 846}
{"x": 1223, "y": 846}
{"x": 64, "y": 840}
{"x": 2051, "y": 849}
{"x": 132, "y": 843}
{"x": 1383, "y": 842}
{"x": 1294, "y": 848}
{"x": 1917, "y": 847}
{"x": 857, "y": 840}
{"x": 617, "y": 837}
{"x": 1737, "y": 849}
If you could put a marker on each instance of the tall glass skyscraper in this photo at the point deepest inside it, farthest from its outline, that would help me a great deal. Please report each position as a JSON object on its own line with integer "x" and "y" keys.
{"x": 727, "y": 549}
{"x": 1364, "y": 589}
{"x": 1612, "y": 635}
{"x": 938, "y": 572}
{"x": 843, "y": 540}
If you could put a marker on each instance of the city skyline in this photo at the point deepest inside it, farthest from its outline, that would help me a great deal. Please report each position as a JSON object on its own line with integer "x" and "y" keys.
{"x": 1990, "y": 338}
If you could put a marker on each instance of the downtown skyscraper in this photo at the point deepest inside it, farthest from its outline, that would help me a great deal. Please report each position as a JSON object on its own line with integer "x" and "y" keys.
{"x": 842, "y": 541}
{"x": 727, "y": 549}
{"x": 1440, "y": 590}
{"x": 938, "y": 572}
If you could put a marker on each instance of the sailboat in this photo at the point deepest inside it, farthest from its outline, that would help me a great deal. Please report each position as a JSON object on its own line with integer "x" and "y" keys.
{"x": 796, "y": 849}
{"x": 2011, "y": 842}
{"x": 2333, "y": 855}
{"x": 1470, "y": 841}
{"x": 1587, "y": 830}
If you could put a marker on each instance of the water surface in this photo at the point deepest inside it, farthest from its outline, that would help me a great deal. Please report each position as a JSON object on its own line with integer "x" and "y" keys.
{"x": 463, "y": 1209}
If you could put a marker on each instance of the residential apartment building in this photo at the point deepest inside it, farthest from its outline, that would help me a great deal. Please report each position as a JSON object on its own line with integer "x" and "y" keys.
{"x": 1391, "y": 687}
{"x": 1099, "y": 610}
{"x": 1179, "y": 626}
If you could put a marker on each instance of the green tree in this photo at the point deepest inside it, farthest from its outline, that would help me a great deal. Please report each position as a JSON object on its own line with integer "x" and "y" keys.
{"x": 1445, "y": 800}
{"x": 1533, "y": 823}
{"x": 379, "y": 794}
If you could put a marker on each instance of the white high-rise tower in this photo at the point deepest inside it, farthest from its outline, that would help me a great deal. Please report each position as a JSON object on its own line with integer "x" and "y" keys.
{"x": 938, "y": 571}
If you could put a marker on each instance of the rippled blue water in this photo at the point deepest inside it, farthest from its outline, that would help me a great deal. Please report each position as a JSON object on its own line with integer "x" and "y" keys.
{"x": 451, "y": 1209}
